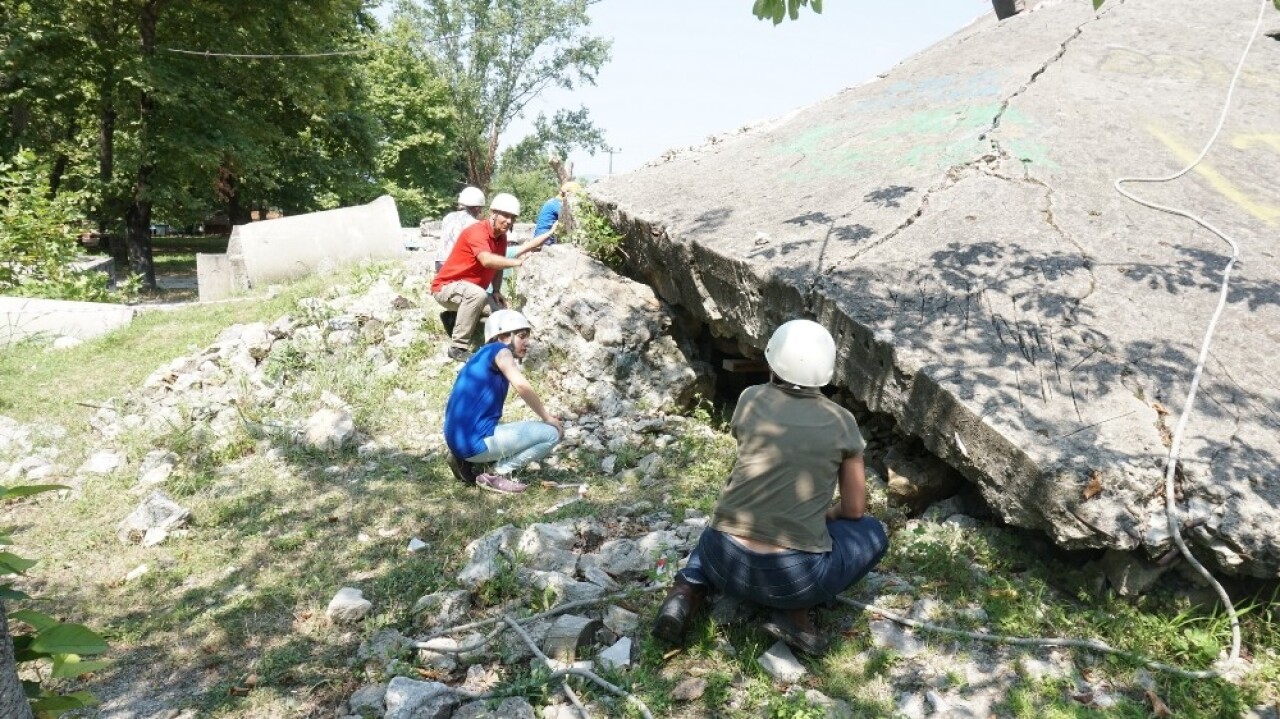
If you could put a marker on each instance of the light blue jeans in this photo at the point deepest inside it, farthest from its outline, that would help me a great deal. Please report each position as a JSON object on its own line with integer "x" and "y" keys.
{"x": 516, "y": 444}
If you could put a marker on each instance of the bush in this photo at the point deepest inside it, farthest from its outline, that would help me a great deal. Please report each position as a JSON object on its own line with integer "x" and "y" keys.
{"x": 595, "y": 235}
{"x": 38, "y": 238}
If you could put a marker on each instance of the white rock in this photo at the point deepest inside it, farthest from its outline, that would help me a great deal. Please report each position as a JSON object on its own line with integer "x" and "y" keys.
{"x": 617, "y": 656}
{"x": 329, "y": 429}
{"x": 67, "y": 342}
{"x": 779, "y": 663}
{"x": 348, "y": 605}
{"x": 101, "y": 463}
{"x": 417, "y": 545}
{"x": 136, "y": 572}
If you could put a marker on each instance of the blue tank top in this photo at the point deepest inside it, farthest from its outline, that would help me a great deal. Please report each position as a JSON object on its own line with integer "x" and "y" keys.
{"x": 475, "y": 404}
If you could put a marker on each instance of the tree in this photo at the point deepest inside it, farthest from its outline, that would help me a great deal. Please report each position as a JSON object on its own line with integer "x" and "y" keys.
{"x": 497, "y": 56}
{"x": 776, "y": 10}
{"x": 525, "y": 169}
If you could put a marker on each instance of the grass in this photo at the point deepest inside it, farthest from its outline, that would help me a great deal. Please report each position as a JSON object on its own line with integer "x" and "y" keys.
{"x": 279, "y": 528}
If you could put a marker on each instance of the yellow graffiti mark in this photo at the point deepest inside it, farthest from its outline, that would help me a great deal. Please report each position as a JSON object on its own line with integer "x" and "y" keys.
{"x": 1266, "y": 213}
{"x": 1244, "y": 142}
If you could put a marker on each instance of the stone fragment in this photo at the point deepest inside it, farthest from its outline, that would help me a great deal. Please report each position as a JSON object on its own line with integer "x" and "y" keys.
{"x": 369, "y": 701}
{"x": 617, "y": 656}
{"x": 442, "y": 609}
{"x": 887, "y": 634}
{"x": 689, "y": 689}
{"x": 348, "y": 605}
{"x": 329, "y": 429}
{"x": 158, "y": 512}
{"x": 413, "y": 699}
{"x": 779, "y": 663}
{"x": 103, "y": 462}
{"x": 621, "y": 621}
{"x": 1131, "y": 576}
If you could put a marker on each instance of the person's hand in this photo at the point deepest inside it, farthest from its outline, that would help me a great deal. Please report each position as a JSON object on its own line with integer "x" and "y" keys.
{"x": 556, "y": 229}
{"x": 555, "y": 422}
{"x": 500, "y": 300}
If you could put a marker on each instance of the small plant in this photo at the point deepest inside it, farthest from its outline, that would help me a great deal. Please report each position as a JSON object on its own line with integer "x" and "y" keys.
{"x": 53, "y": 650}
{"x": 794, "y": 706}
{"x": 595, "y": 235}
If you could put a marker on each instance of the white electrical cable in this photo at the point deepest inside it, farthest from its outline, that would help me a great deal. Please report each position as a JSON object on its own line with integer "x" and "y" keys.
{"x": 1175, "y": 447}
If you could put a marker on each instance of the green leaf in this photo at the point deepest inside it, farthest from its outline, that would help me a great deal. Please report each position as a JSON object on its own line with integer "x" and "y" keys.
{"x": 35, "y": 619}
{"x": 70, "y": 666}
{"x": 817, "y": 5}
{"x": 7, "y": 592}
{"x": 11, "y": 563}
{"x": 69, "y": 639}
{"x": 52, "y": 706}
{"x": 26, "y": 490}
{"x": 1278, "y": 4}
{"x": 1098, "y": 3}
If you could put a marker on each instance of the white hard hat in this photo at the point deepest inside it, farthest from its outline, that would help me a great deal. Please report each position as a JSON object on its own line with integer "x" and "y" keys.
{"x": 504, "y": 321}
{"x": 505, "y": 202}
{"x": 471, "y": 197}
{"x": 803, "y": 353}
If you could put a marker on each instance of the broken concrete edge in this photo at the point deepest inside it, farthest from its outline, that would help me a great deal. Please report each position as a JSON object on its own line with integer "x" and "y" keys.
{"x": 24, "y": 319}
{"x": 887, "y": 379}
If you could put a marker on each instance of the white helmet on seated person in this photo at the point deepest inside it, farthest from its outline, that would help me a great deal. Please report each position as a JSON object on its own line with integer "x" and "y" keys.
{"x": 504, "y": 321}
{"x": 471, "y": 197}
{"x": 803, "y": 353}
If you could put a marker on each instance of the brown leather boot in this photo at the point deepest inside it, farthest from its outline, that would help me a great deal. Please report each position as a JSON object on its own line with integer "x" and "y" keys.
{"x": 684, "y": 600}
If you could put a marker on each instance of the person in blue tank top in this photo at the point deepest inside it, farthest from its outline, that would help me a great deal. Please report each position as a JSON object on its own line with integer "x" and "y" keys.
{"x": 548, "y": 221}
{"x": 471, "y": 427}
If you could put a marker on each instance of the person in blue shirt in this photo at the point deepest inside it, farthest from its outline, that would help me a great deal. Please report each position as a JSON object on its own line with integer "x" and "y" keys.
{"x": 551, "y": 210}
{"x": 471, "y": 427}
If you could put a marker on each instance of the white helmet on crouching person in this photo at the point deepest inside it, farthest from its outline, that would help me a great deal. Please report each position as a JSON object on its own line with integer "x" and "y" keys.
{"x": 505, "y": 202}
{"x": 504, "y": 321}
{"x": 803, "y": 353}
{"x": 471, "y": 197}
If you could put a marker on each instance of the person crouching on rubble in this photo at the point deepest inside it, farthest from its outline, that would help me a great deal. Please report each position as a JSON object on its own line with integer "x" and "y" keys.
{"x": 475, "y": 403}
{"x": 774, "y": 538}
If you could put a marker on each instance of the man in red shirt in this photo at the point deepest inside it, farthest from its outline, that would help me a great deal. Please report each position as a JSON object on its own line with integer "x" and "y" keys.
{"x": 476, "y": 262}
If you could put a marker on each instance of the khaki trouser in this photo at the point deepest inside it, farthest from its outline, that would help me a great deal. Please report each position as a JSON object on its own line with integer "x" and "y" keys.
{"x": 471, "y": 303}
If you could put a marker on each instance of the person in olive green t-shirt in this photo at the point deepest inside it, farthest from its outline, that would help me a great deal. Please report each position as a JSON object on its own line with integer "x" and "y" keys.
{"x": 774, "y": 537}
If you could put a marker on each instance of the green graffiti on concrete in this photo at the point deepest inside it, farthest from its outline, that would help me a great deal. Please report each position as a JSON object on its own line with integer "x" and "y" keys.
{"x": 932, "y": 139}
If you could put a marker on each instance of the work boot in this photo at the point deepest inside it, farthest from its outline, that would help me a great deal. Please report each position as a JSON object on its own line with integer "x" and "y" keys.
{"x": 683, "y": 601}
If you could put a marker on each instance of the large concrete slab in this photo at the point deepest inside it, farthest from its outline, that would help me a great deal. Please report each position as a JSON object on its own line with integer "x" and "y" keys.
{"x": 954, "y": 222}
{"x": 23, "y": 318}
{"x": 293, "y": 247}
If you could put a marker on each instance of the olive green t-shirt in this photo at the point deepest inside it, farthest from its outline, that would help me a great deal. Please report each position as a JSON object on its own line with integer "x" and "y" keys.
{"x": 791, "y": 443}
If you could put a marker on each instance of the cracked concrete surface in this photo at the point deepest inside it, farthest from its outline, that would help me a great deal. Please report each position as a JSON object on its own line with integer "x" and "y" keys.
{"x": 954, "y": 224}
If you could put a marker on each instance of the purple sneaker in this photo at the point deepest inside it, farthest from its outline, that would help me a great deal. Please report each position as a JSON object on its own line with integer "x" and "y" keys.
{"x": 500, "y": 484}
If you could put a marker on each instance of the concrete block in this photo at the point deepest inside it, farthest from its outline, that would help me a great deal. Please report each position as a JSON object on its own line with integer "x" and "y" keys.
{"x": 214, "y": 276}
{"x": 26, "y": 318}
{"x": 293, "y": 247}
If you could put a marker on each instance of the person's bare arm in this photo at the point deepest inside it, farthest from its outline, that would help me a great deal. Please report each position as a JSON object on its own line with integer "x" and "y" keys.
{"x": 510, "y": 369}
{"x": 853, "y": 490}
{"x": 494, "y": 261}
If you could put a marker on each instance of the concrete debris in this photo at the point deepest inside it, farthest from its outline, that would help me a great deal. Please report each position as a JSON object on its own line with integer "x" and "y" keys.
{"x": 348, "y": 605}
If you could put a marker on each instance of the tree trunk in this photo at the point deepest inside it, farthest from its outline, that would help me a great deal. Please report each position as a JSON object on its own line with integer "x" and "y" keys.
{"x": 13, "y": 702}
{"x": 138, "y": 214}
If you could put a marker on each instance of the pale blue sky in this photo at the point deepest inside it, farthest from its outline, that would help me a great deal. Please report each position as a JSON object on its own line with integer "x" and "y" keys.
{"x": 685, "y": 69}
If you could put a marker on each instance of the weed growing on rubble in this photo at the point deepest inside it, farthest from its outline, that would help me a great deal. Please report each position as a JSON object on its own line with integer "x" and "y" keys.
{"x": 596, "y": 235}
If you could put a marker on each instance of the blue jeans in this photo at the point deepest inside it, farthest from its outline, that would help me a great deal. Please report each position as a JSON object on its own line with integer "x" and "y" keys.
{"x": 792, "y": 579}
{"x": 516, "y": 444}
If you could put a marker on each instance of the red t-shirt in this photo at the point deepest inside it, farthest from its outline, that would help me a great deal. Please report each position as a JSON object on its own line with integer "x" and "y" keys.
{"x": 462, "y": 263}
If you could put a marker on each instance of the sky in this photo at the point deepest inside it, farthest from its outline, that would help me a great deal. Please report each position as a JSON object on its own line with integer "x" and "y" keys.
{"x": 682, "y": 70}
